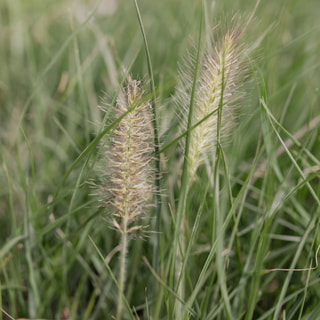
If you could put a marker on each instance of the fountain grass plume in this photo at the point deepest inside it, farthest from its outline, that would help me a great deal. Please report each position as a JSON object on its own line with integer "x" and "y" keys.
{"x": 129, "y": 179}
{"x": 207, "y": 93}
{"x": 222, "y": 72}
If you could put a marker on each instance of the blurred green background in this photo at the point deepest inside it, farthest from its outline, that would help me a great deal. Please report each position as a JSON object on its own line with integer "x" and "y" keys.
{"x": 61, "y": 59}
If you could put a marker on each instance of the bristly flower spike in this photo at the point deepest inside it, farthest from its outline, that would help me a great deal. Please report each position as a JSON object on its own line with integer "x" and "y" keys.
{"x": 130, "y": 175}
{"x": 219, "y": 83}
{"x": 208, "y": 90}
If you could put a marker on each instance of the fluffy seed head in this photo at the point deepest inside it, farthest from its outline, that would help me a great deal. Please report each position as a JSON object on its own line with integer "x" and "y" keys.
{"x": 130, "y": 174}
{"x": 217, "y": 93}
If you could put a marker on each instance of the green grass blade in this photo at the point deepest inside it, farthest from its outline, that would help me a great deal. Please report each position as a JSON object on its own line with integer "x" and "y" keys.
{"x": 156, "y": 142}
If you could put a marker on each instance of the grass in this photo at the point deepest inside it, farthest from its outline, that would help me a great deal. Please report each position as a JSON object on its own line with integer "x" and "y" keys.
{"x": 251, "y": 210}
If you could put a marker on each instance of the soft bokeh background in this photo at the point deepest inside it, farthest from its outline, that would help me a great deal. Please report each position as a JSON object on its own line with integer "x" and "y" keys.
{"x": 60, "y": 59}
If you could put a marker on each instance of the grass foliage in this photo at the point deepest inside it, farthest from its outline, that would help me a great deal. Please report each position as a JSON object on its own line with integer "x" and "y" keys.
{"x": 215, "y": 245}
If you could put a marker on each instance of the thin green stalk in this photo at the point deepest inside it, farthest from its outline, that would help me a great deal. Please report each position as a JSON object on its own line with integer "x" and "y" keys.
{"x": 10, "y": 197}
{"x": 191, "y": 243}
{"x": 220, "y": 238}
{"x": 305, "y": 291}
{"x": 256, "y": 277}
{"x": 217, "y": 209}
{"x": 34, "y": 295}
{"x": 156, "y": 251}
{"x": 185, "y": 179}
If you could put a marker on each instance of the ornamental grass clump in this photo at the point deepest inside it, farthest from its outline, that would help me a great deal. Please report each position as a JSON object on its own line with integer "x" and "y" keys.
{"x": 130, "y": 175}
